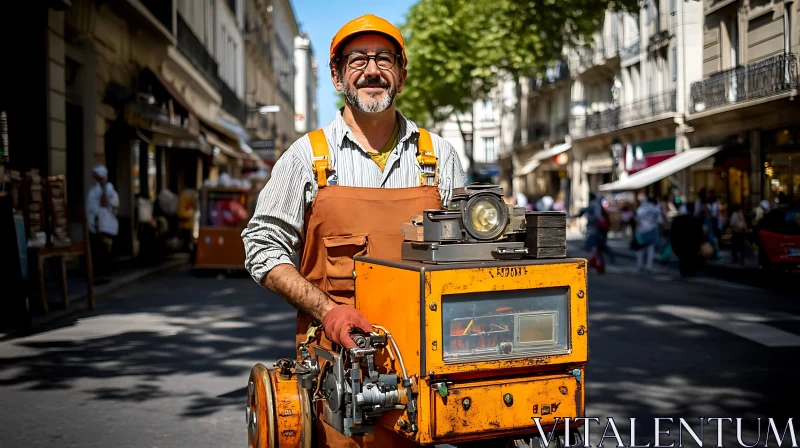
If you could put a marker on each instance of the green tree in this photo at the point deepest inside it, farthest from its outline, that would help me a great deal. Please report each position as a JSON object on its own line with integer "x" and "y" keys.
{"x": 457, "y": 49}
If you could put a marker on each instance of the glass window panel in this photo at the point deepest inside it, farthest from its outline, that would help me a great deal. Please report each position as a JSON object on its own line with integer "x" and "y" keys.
{"x": 505, "y": 324}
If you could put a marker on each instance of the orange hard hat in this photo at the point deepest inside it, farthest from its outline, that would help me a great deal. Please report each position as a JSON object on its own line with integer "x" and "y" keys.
{"x": 368, "y": 24}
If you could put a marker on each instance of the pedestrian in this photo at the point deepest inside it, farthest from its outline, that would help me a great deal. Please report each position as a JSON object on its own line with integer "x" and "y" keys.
{"x": 597, "y": 224}
{"x": 686, "y": 237}
{"x": 703, "y": 210}
{"x": 348, "y": 187}
{"x": 648, "y": 222}
{"x": 101, "y": 215}
{"x": 559, "y": 206}
{"x": 740, "y": 230}
{"x": 627, "y": 217}
{"x": 669, "y": 211}
{"x": 545, "y": 204}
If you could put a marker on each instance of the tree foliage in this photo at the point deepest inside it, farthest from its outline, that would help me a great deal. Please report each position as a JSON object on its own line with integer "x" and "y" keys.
{"x": 456, "y": 48}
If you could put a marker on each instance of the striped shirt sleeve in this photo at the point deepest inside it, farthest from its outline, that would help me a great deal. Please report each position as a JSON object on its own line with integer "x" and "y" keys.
{"x": 274, "y": 232}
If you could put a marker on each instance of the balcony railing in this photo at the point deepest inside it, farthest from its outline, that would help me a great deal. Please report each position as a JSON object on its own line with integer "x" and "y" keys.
{"x": 761, "y": 79}
{"x": 595, "y": 122}
{"x": 647, "y": 108}
{"x": 195, "y": 51}
{"x": 626, "y": 115}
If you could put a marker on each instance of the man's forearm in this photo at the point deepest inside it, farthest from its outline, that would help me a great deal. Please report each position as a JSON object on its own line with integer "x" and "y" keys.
{"x": 285, "y": 281}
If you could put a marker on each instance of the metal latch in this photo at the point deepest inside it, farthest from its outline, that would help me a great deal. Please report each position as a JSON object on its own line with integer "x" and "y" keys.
{"x": 510, "y": 253}
{"x": 441, "y": 387}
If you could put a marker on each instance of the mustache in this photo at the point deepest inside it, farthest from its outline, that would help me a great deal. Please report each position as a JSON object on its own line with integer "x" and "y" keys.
{"x": 373, "y": 83}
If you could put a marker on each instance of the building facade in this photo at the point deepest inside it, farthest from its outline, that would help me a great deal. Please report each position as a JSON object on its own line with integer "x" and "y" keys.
{"x": 611, "y": 109}
{"x": 745, "y": 103}
{"x": 485, "y": 133}
{"x": 271, "y": 28}
{"x": 152, "y": 89}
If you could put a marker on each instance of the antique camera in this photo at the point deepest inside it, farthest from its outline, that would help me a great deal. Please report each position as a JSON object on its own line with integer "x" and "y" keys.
{"x": 477, "y": 225}
{"x": 476, "y": 213}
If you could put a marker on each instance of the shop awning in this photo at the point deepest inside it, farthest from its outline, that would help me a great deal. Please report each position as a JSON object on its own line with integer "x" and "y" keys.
{"x": 528, "y": 167}
{"x": 552, "y": 152}
{"x": 181, "y": 142}
{"x": 661, "y": 170}
{"x": 224, "y": 148}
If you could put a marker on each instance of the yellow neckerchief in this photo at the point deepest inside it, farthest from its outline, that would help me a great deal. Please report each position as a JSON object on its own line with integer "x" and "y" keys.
{"x": 382, "y": 155}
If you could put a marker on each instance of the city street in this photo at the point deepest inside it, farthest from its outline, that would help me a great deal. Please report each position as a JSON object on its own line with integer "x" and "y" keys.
{"x": 164, "y": 363}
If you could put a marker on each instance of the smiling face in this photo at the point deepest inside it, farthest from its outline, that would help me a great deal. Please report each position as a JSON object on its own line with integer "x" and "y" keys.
{"x": 370, "y": 89}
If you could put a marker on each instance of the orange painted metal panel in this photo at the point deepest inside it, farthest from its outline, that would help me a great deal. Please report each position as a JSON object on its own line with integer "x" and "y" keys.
{"x": 407, "y": 300}
{"x": 478, "y": 408}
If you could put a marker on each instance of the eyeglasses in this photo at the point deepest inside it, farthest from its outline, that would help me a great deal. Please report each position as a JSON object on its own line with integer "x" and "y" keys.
{"x": 357, "y": 60}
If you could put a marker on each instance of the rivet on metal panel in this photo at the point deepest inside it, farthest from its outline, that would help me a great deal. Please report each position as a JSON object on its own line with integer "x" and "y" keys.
{"x": 466, "y": 403}
{"x": 581, "y": 330}
{"x": 432, "y": 306}
{"x": 563, "y": 390}
{"x": 508, "y": 399}
{"x": 581, "y": 294}
{"x": 402, "y": 423}
{"x": 435, "y": 345}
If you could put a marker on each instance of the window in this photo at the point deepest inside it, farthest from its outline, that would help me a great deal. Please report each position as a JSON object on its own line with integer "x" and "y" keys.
{"x": 490, "y": 152}
{"x": 488, "y": 110}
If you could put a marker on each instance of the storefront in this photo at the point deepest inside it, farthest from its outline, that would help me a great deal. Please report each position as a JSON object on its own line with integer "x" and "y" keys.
{"x": 545, "y": 173}
{"x": 781, "y": 166}
{"x": 726, "y": 176}
{"x": 662, "y": 177}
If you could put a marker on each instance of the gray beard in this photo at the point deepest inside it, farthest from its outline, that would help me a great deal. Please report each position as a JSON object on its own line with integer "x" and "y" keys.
{"x": 372, "y": 106}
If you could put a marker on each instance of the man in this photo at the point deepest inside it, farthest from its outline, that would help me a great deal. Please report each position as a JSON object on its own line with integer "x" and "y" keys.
{"x": 101, "y": 214}
{"x": 346, "y": 189}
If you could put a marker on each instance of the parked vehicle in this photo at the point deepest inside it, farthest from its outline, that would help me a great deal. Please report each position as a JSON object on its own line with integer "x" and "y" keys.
{"x": 779, "y": 240}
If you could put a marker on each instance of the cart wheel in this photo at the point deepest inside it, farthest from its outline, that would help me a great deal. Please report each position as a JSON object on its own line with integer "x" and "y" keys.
{"x": 261, "y": 431}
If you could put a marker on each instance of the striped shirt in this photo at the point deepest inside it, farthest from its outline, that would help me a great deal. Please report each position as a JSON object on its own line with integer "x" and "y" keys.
{"x": 275, "y": 230}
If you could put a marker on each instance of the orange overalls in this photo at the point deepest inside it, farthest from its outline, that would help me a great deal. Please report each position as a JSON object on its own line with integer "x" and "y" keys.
{"x": 343, "y": 222}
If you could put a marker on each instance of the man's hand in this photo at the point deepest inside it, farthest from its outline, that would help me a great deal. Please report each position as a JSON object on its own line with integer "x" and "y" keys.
{"x": 342, "y": 320}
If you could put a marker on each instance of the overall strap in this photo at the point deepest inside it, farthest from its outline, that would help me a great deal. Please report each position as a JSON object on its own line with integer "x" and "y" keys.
{"x": 427, "y": 160}
{"x": 321, "y": 162}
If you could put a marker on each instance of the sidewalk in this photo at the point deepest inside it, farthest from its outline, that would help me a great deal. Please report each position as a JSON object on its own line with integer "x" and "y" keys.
{"x": 620, "y": 245}
{"x": 124, "y": 272}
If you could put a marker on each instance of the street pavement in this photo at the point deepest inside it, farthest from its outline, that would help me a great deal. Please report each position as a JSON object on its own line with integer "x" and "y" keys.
{"x": 164, "y": 362}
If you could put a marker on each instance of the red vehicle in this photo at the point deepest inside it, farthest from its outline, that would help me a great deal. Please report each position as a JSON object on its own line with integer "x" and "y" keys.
{"x": 779, "y": 240}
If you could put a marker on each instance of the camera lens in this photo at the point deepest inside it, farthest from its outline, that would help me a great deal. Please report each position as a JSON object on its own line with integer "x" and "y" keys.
{"x": 485, "y": 216}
